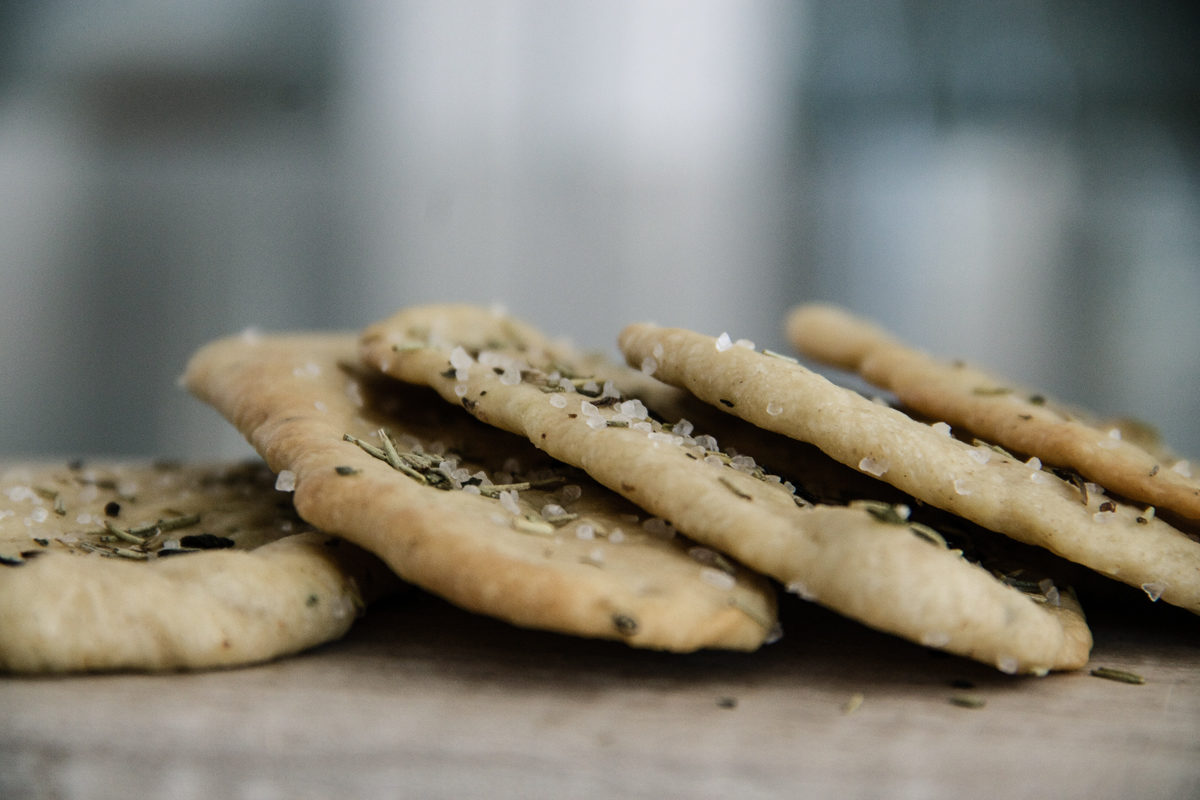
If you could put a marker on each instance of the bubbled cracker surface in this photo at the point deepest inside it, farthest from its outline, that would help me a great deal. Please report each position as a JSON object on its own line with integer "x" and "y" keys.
{"x": 593, "y": 571}
{"x": 76, "y": 596}
{"x": 1115, "y": 455}
{"x": 508, "y": 374}
{"x": 973, "y": 481}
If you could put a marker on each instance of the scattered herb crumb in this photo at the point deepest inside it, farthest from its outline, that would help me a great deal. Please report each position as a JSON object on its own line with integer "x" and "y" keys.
{"x": 967, "y": 701}
{"x": 1119, "y": 675}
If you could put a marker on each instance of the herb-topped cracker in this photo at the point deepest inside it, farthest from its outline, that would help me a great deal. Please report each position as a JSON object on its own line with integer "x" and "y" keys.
{"x": 1114, "y": 455}
{"x": 468, "y": 512}
{"x": 866, "y": 561}
{"x": 139, "y": 566}
{"x": 1075, "y": 520}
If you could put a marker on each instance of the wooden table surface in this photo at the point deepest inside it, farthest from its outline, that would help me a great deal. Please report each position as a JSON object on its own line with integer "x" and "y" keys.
{"x": 423, "y": 700}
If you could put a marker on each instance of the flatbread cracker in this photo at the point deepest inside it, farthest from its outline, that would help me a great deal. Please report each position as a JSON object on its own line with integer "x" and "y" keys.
{"x": 86, "y": 583}
{"x": 990, "y": 488}
{"x": 469, "y": 513}
{"x": 1012, "y": 417}
{"x": 582, "y": 410}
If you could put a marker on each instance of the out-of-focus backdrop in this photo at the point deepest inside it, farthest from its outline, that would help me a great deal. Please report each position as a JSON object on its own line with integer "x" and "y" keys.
{"x": 1013, "y": 183}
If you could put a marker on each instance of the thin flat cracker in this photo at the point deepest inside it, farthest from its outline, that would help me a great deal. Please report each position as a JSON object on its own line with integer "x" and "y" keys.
{"x": 583, "y": 410}
{"x": 568, "y": 556}
{"x": 139, "y": 566}
{"x": 993, "y": 409}
{"x": 1079, "y": 523}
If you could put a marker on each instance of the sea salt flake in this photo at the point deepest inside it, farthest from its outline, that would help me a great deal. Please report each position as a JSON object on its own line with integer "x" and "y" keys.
{"x": 460, "y": 358}
{"x": 1154, "y": 590}
{"x": 873, "y": 466}
{"x": 801, "y": 590}
{"x": 285, "y": 481}
{"x": 981, "y": 455}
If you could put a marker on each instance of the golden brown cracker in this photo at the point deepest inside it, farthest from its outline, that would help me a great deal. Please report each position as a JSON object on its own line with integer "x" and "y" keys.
{"x": 1110, "y": 454}
{"x": 1076, "y": 521}
{"x": 589, "y": 412}
{"x": 139, "y": 566}
{"x": 470, "y": 513}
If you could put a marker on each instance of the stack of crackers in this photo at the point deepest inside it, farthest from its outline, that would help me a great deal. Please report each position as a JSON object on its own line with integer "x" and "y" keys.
{"x": 665, "y": 502}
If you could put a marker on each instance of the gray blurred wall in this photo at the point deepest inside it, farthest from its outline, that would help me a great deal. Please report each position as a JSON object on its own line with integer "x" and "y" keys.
{"x": 1015, "y": 183}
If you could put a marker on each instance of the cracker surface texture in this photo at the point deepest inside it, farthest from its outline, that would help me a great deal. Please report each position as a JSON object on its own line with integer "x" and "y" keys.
{"x": 465, "y": 511}
{"x": 134, "y": 566}
{"x": 592, "y": 413}
{"x": 976, "y": 482}
{"x": 994, "y": 409}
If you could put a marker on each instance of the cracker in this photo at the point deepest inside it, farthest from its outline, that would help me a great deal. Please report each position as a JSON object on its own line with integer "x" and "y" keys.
{"x": 136, "y": 566}
{"x": 588, "y": 411}
{"x": 1074, "y": 520}
{"x": 1111, "y": 454}
{"x": 553, "y": 551}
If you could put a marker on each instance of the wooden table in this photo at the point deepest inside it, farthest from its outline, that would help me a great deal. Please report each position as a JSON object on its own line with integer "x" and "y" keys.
{"x": 422, "y": 700}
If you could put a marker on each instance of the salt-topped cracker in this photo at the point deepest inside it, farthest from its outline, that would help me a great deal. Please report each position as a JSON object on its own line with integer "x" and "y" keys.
{"x": 139, "y": 566}
{"x": 589, "y": 412}
{"x": 468, "y": 512}
{"x": 990, "y": 488}
{"x": 993, "y": 409}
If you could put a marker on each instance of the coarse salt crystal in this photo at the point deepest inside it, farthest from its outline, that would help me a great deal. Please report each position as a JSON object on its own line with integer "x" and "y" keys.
{"x": 980, "y": 454}
{"x": 18, "y": 494}
{"x": 1008, "y": 665}
{"x": 634, "y": 409}
{"x": 460, "y": 358}
{"x": 872, "y": 466}
{"x": 1183, "y": 468}
{"x": 1104, "y": 516}
{"x": 683, "y": 427}
{"x": 460, "y": 390}
{"x": 511, "y": 376}
{"x": 553, "y": 510}
{"x": 657, "y": 350}
{"x": 508, "y": 500}
{"x": 800, "y": 589}
{"x": 649, "y": 365}
{"x": 1154, "y": 590}
{"x": 585, "y": 531}
{"x": 558, "y": 401}
{"x": 588, "y": 409}
{"x": 285, "y": 481}
{"x": 1034, "y": 463}
{"x": 571, "y": 492}
{"x": 941, "y": 428}
{"x": 616, "y": 536}
{"x": 310, "y": 369}
{"x": 960, "y": 487}
{"x": 774, "y": 409}
{"x": 596, "y": 423}
{"x": 745, "y": 344}
{"x": 935, "y": 638}
{"x": 724, "y": 343}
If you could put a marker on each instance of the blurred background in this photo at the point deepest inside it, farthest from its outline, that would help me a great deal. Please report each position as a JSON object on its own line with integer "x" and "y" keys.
{"x": 1014, "y": 183}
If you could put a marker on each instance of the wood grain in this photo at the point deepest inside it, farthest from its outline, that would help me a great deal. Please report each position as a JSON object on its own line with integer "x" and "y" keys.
{"x": 423, "y": 700}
